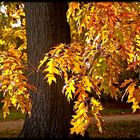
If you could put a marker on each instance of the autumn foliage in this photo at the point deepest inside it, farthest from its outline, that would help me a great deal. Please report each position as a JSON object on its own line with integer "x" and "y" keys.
{"x": 13, "y": 58}
{"x": 105, "y": 43}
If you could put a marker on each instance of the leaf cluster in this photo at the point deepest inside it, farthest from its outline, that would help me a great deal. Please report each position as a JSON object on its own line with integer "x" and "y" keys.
{"x": 13, "y": 58}
{"x": 105, "y": 36}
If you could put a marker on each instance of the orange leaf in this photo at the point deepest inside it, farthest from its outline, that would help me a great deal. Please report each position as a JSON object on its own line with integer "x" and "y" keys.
{"x": 126, "y": 82}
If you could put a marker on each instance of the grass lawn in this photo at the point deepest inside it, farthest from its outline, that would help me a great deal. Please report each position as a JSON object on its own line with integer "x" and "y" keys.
{"x": 14, "y": 115}
{"x": 9, "y": 134}
{"x": 117, "y": 108}
{"x": 121, "y": 129}
{"x": 109, "y": 109}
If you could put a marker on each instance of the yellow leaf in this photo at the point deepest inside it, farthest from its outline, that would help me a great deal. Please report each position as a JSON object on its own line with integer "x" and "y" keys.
{"x": 14, "y": 100}
{"x": 87, "y": 83}
{"x": 52, "y": 70}
{"x": 42, "y": 61}
{"x": 135, "y": 106}
{"x": 94, "y": 102}
{"x": 76, "y": 68}
{"x": 80, "y": 120}
{"x": 51, "y": 67}
{"x": 80, "y": 112}
{"x": 50, "y": 78}
{"x": 10, "y": 87}
{"x": 131, "y": 88}
{"x": 51, "y": 62}
{"x": 131, "y": 99}
{"x": 137, "y": 94}
{"x": 70, "y": 89}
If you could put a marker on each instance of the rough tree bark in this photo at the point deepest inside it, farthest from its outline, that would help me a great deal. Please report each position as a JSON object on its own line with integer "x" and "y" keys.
{"x": 51, "y": 113}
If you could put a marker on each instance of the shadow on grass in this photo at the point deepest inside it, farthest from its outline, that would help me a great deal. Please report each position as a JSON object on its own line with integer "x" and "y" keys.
{"x": 121, "y": 129}
{"x": 9, "y": 133}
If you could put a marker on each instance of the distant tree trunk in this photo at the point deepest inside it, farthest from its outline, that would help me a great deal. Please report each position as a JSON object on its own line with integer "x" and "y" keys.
{"x": 51, "y": 113}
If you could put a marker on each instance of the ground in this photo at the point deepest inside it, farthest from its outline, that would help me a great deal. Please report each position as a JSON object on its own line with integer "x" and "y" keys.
{"x": 114, "y": 125}
{"x": 15, "y": 126}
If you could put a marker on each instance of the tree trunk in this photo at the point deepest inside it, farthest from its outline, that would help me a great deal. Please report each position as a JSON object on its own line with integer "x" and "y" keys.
{"x": 51, "y": 113}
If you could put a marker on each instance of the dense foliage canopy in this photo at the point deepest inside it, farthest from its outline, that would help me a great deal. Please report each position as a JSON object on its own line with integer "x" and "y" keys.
{"x": 105, "y": 44}
{"x": 13, "y": 57}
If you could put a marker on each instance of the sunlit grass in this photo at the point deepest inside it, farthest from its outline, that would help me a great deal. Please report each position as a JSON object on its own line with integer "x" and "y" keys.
{"x": 14, "y": 115}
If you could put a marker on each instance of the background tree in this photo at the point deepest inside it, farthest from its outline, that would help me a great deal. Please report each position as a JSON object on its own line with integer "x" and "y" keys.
{"x": 13, "y": 64}
{"x": 13, "y": 83}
